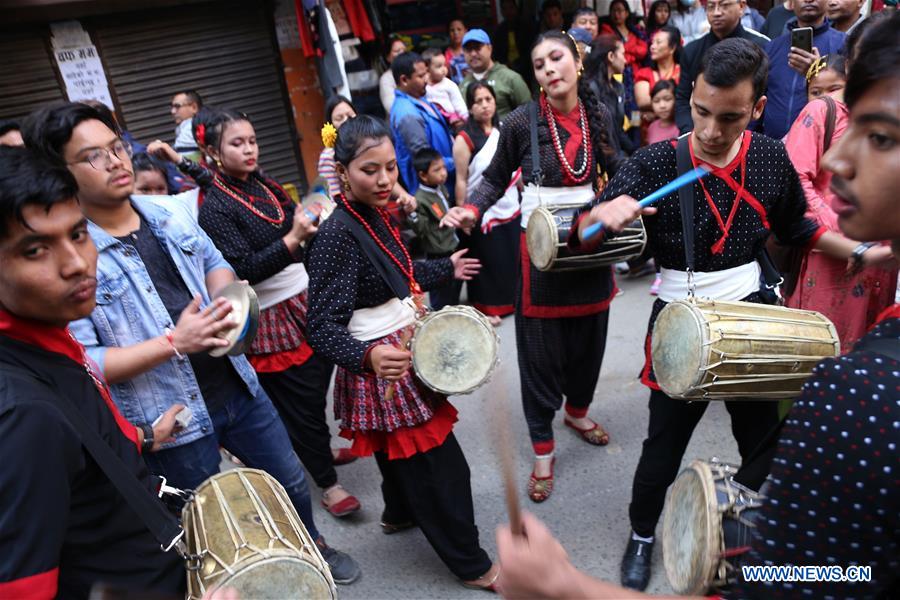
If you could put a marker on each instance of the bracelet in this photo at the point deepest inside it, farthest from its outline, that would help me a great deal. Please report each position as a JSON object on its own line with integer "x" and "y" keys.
{"x": 857, "y": 255}
{"x": 147, "y": 444}
{"x": 170, "y": 337}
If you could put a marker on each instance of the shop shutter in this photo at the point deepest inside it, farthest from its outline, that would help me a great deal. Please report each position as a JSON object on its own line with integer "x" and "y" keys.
{"x": 27, "y": 75}
{"x": 224, "y": 50}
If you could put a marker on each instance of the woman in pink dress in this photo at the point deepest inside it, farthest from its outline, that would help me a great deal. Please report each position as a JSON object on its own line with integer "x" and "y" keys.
{"x": 851, "y": 298}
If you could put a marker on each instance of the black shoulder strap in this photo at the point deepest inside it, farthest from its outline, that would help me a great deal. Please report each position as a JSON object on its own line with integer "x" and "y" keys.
{"x": 149, "y": 509}
{"x": 388, "y": 271}
{"x": 830, "y": 121}
{"x": 537, "y": 173}
{"x": 686, "y": 197}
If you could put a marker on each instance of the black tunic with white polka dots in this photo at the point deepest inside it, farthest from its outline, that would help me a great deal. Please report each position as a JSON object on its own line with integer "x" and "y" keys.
{"x": 342, "y": 279}
{"x": 252, "y": 245}
{"x": 834, "y": 497}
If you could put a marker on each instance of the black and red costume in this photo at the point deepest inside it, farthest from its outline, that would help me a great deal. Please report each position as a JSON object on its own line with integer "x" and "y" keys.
{"x": 63, "y": 524}
{"x": 561, "y": 316}
{"x": 735, "y": 209}
{"x": 426, "y": 478}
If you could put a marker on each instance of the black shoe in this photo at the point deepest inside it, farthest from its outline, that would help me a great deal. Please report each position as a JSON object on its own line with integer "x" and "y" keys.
{"x": 391, "y": 525}
{"x": 636, "y": 564}
{"x": 344, "y": 569}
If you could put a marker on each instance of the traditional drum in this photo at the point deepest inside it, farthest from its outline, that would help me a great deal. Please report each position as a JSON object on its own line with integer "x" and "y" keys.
{"x": 706, "y": 527}
{"x": 245, "y": 312}
{"x": 548, "y": 232}
{"x": 709, "y": 349}
{"x": 242, "y": 531}
{"x": 454, "y": 350}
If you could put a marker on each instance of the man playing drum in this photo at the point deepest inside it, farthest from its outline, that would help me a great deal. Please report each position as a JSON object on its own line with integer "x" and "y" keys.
{"x": 63, "y": 526}
{"x": 752, "y": 189}
{"x": 833, "y": 499}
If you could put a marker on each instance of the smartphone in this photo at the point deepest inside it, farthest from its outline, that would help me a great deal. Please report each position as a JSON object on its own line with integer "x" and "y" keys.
{"x": 802, "y": 38}
{"x": 182, "y": 419}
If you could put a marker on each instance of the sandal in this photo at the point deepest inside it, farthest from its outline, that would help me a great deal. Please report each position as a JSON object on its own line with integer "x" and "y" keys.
{"x": 595, "y": 435}
{"x": 347, "y": 506}
{"x": 540, "y": 488}
{"x": 344, "y": 457}
{"x": 490, "y": 585}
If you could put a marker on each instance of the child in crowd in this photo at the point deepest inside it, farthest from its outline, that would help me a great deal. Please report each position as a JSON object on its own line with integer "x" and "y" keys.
{"x": 149, "y": 175}
{"x": 662, "y": 98}
{"x": 442, "y": 92}
{"x": 826, "y": 76}
{"x": 432, "y": 203}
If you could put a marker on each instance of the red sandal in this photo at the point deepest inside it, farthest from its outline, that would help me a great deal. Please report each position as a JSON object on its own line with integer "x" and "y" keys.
{"x": 596, "y": 435}
{"x": 343, "y": 457}
{"x": 347, "y": 506}
{"x": 540, "y": 488}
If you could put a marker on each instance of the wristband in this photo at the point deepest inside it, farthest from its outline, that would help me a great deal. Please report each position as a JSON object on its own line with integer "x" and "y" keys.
{"x": 147, "y": 444}
{"x": 170, "y": 337}
{"x": 857, "y": 255}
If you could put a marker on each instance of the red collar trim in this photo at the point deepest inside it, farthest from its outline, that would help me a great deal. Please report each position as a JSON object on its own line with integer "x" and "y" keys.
{"x": 49, "y": 337}
{"x": 891, "y": 312}
{"x": 727, "y": 169}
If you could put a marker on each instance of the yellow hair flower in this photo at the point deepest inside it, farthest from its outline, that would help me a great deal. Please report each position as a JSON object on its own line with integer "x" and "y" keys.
{"x": 329, "y": 135}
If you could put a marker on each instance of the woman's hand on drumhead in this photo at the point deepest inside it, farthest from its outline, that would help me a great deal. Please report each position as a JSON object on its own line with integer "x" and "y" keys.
{"x": 459, "y": 217}
{"x": 388, "y": 362}
{"x": 464, "y": 268}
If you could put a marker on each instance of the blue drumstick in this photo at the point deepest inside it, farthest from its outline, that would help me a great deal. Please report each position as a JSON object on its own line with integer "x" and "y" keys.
{"x": 310, "y": 215}
{"x": 686, "y": 179}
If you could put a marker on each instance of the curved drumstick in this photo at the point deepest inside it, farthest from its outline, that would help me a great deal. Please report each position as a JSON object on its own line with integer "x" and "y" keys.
{"x": 685, "y": 179}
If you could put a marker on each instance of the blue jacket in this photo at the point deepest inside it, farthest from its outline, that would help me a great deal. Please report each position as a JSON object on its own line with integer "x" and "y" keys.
{"x": 417, "y": 124}
{"x": 129, "y": 311}
{"x": 787, "y": 88}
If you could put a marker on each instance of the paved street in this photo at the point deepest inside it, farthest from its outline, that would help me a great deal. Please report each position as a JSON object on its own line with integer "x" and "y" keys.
{"x": 588, "y": 511}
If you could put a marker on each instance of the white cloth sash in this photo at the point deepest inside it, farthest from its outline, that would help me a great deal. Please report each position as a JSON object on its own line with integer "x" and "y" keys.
{"x": 507, "y": 207}
{"x": 287, "y": 283}
{"x": 730, "y": 284}
{"x": 550, "y": 197}
{"x": 373, "y": 323}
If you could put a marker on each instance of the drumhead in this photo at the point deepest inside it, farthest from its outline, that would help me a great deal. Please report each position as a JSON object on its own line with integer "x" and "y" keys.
{"x": 454, "y": 350}
{"x": 279, "y": 577}
{"x": 676, "y": 348}
{"x": 245, "y": 311}
{"x": 542, "y": 238}
{"x": 692, "y": 531}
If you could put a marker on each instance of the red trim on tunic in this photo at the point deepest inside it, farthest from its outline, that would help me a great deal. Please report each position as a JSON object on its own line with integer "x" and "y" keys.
{"x": 891, "y": 312}
{"x": 815, "y": 238}
{"x": 648, "y": 367}
{"x": 544, "y": 447}
{"x": 406, "y": 441}
{"x": 280, "y": 361}
{"x": 495, "y": 311}
{"x": 474, "y": 209}
{"x": 60, "y": 341}
{"x": 34, "y": 587}
{"x": 576, "y": 411}
{"x": 549, "y": 312}
{"x": 468, "y": 140}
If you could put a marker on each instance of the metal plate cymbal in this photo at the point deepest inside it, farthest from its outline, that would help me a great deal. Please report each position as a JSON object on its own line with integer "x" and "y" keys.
{"x": 245, "y": 312}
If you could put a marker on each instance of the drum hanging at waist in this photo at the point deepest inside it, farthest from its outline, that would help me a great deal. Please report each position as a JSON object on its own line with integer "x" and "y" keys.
{"x": 711, "y": 350}
{"x": 242, "y": 531}
{"x": 547, "y": 237}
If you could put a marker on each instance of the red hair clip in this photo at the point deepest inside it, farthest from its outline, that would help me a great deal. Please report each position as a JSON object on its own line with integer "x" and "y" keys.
{"x": 201, "y": 134}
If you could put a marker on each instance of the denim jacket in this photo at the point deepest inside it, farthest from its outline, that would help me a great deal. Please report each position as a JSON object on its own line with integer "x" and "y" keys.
{"x": 129, "y": 311}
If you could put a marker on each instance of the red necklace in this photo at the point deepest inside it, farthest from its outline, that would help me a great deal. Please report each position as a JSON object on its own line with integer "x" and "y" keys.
{"x": 406, "y": 269}
{"x": 269, "y": 199}
{"x": 580, "y": 174}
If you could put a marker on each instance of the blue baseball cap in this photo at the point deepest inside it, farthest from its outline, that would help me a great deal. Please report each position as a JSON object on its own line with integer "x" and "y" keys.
{"x": 580, "y": 35}
{"x": 476, "y": 35}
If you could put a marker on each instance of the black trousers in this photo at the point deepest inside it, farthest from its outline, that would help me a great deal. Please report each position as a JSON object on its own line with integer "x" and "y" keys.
{"x": 300, "y": 396}
{"x": 672, "y": 423}
{"x": 433, "y": 490}
{"x": 558, "y": 357}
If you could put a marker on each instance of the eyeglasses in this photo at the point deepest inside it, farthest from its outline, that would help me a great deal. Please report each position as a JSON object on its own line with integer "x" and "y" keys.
{"x": 178, "y": 105}
{"x": 712, "y": 7}
{"x": 101, "y": 158}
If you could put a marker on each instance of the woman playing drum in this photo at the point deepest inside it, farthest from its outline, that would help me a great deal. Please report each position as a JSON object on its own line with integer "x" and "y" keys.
{"x": 364, "y": 296}
{"x": 561, "y": 316}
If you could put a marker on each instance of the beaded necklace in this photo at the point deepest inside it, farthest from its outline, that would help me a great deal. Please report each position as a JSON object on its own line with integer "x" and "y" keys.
{"x": 581, "y": 174}
{"x": 270, "y": 199}
{"x": 406, "y": 269}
